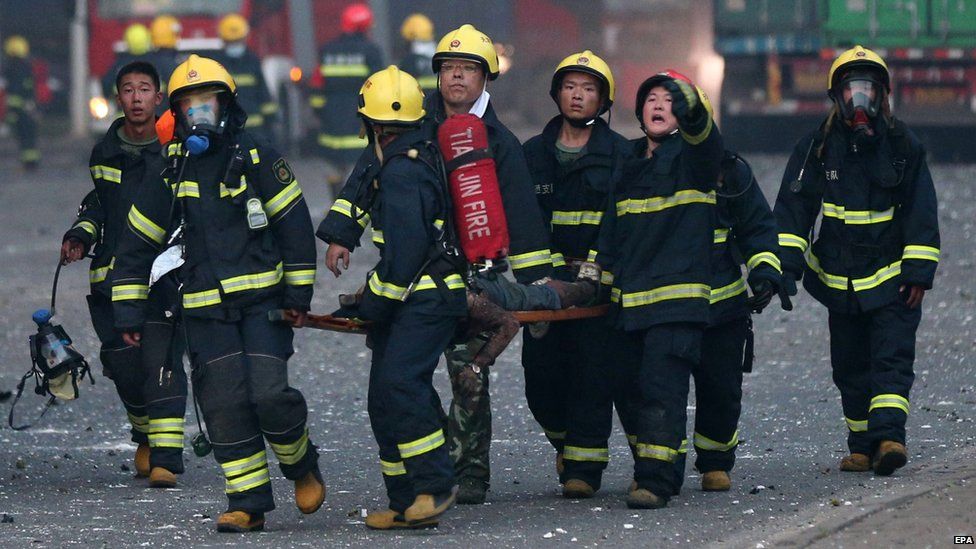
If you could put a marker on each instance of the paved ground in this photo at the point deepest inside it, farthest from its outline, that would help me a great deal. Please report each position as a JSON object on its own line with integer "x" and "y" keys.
{"x": 67, "y": 482}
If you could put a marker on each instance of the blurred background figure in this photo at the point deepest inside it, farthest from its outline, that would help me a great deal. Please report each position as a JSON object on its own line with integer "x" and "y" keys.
{"x": 345, "y": 64}
{"x": 418, "y": 31}
{"x": 165, "y": 33}
{"x": 138, "y": 42}
{"x": 252, "y": 88}
{"x": 20, "y": 99}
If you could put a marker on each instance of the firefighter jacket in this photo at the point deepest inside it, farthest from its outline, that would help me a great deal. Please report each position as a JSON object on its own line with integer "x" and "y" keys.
{"x": 657, "y": 234}
{"x": 879, "y": 225}
{"x": 228, "y": 265}
{"x": 346, "y": 62}
{"x": 19, "y": 77}
{"x": 253, "y": 94}
{"x": 349, "y": 215}
{"x": 411, "y": 201}
{"x": 118, "y": 177}
{"x": 419, "y": 66}
{"x": 573, "y": 199}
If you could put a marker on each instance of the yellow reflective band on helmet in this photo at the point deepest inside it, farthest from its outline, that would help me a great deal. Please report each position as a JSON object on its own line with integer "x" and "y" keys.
{"x": 654, "y": 451}
{"x": 554, "y": 435}
{"x": 139, "y": 423}
{"x": 345, "y": 207}
{"x": 704, "y": 443}
{"x": 727, "y": 292}
{"x": 352, "y": 141}
{"x": 246, "y": 474}
{"x": 664, "y": 293}
{"x": 683, "y": 449}
{"x": 344, "y": 70}
{"x": 857, "y": 217}
{"x": 253, "y": 281}
{"x": 291, "y": 193}
{"x": 226, "y": 192}
{"x": 720, "y": 236}
{"x": 558, "y": 260}
{"x": 127, "y": 292}
{"x": 106, "y": 173}
{"x": 378, "y": 236}
{"x": 606, "y": 278}
{"x": 189, "y": 189}
{"x": 855, "y": 425}
{"x": 87, "y": 226}
{"x": 244, "y": 79}
{"x": 255, "y": 158}
{"x": 530, "y": 259}
{"x": 268, "y": 109}
{"x": 393, "y": 468}
{"x": 658, "y": 203}
{"x": 697, "y": 138}
{"x": 788, "y": 240}
{"x": 927, "y": 253}
{"x": 299, "y": 277}
{"x": 765, "y": 257}
{"x": 144, "y": 226}
{"x": 290, "y": 454}
{"x": 889, "y": 401}
{"x": 166, "y": 432}
{"x": 422, "y": 445}
{"x": 576, "y": 218}
{"x": 577, "y": 453}
{"x": 201, "y": 299}
{"x": 316, "y": 101}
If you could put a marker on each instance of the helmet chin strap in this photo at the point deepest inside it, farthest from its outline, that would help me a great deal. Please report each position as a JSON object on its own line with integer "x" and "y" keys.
{"x": 662, "y": 138}
{"x": 585, "y": 123}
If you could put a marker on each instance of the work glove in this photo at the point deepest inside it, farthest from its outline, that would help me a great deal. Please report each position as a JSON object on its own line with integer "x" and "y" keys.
{"x": 764, "y": 283}
{"x": 684, "y": 99}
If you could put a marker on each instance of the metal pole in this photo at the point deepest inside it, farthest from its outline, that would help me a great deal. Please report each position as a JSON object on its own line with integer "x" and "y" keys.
{"x": 303, "y": 34}
{"x": 79, "y": 70}
{"x": 382, "y": 31}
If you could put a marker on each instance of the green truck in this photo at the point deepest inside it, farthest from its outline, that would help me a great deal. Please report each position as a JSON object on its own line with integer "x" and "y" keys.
{"x": 777, "y": 54}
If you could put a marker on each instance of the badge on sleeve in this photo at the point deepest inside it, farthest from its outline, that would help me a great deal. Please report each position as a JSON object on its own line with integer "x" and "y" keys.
{"x": 283, "y": 171}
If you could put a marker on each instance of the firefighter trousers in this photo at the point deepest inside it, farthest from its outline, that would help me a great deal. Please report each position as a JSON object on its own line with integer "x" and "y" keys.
{"x": 872, "y": 354}
{"x": 240, "y": 378}
{"x": 651, "y": 395}
{"x": 150, "y": 380}
{"x": 569, "y": 389}
{"x": 405, "y": 412}
{"x": 25, "y": 128}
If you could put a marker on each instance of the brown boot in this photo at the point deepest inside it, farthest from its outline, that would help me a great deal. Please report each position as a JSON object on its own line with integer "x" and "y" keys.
{"x": 891, "y": 455}
{"x": 716, "y": 481}
{"x": 430, "y": 506}
{"x": 161, "y": 478}
{"x": 142, "y": 460}
{"x": 572, "y": 294}
{"x": 642, "y": 498}
{"x": 310, "y": 492}
{"x": 240, "y": 522}
{"x": 559, "y": 464}
{"x": 388, "y": 519}
{"x": 577, "y": 489}
{"x": 855, "y": 463}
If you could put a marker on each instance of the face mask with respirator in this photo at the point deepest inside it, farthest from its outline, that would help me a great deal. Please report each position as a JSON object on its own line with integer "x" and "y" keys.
{"x": 202, "y": 117}
{"x": 859, "y": 96}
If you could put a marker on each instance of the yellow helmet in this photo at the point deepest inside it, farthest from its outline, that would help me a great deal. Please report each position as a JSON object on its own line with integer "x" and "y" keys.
{"x": 392, "y": 97}
{"x": 16, "y": 46}
{"x": 470, "y": 44}
{"x": 858, "y": 56}
{"x": 165, "y": 31}
{"x": 417, "y": 27}
{"x": 198, "y": 72}
{"x": 585, "y": 61}
{"x": 137, "y": 39}
{"x": 233, "y": 27}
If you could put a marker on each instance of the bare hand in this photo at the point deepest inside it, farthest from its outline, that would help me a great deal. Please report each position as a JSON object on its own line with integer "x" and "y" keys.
{"x": 298, "y": 317}
{"x": 132, "y": 339}
{"x": 914, "y": 297}
{"x": 72, "y": 250}
{"x": 333, "y": 255}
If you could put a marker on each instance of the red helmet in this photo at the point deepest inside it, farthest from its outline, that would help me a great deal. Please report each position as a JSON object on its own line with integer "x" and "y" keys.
{"x": 649, "y": 84}
{"x": 356, "y": 18}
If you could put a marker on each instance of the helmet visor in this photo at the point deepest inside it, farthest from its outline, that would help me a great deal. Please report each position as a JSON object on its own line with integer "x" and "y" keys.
{"x": 859, "y": 91}
{"x": 200, "y": 107}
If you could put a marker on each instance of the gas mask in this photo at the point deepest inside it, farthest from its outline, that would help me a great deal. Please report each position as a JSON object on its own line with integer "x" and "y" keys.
{"x": 235, "y": 49}
{"x": 858, "y": 97}
{"x": 202, "y": 118}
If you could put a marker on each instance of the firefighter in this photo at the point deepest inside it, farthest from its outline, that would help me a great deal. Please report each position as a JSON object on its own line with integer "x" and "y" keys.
{"x": 418, "y": 31}
{"x": 655, "y": 243}
{"x": 874, "y": 256}
{"x": 149, "y": 379}
{"x": 164, "y": 32}
{"x": 245, "y": 68}
{"x": 248, "y": 246}
{"x": 574, "y": 163}
{"x": 137, "y": 44}
{"x": 345, "y": 64}
{"x": 20, "y": 99}
{"x": 415, "y": 307}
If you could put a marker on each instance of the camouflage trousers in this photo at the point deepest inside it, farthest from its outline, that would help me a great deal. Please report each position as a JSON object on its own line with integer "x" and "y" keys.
{"x": 469, "y": 418}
